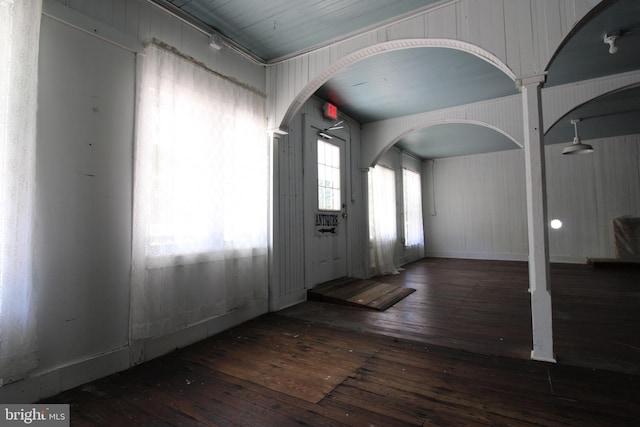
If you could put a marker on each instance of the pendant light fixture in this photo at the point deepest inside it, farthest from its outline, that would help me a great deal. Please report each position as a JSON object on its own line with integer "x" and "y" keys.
{"x": 577, "y": 147}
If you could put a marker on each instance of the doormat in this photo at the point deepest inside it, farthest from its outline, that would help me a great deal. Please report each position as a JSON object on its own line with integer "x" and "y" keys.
{"x": 359, "y": 293}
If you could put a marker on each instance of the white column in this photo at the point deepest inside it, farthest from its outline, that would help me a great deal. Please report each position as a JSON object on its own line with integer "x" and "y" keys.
{"x": 539, "y": 277}
{"x": 275, "y": 253}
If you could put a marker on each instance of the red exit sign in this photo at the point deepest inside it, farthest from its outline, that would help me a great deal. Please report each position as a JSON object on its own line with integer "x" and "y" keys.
{"x": 330, "y": 110}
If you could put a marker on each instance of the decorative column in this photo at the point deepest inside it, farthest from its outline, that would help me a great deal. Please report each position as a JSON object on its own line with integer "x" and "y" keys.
{"x": 539, "y": 277}
{"x": 276, "y": 251}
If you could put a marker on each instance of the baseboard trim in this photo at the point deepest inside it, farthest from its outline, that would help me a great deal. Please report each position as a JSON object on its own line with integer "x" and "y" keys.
{"x": 49, "y": 383}
{"x": 290, "y": 299}
{"x": 54, "y": 381}
{"x": 548, "y": 359}
{"x": 478, "y": 255}
{"x": 503, "y": 257}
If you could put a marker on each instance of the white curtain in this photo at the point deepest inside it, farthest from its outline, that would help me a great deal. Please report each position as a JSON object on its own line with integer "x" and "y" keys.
{"x": 200, "y": 195}
{"x": 413, "y": 226}
{"x": 383, "y": 235}
{"x": 19, "y": 38}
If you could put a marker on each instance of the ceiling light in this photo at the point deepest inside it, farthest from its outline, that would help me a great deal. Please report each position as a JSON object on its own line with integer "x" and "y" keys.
{"x": 325, "y": 135}
{"x": 556, "y": 224}
{"x": 577, "y": 147}
{"x": 610, "y": 39}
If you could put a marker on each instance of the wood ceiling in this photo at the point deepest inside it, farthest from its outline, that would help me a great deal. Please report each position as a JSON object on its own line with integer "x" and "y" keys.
{"x": 405, "y": 82}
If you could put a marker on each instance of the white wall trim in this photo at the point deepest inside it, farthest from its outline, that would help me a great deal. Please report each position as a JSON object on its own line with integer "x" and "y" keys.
{"x": 289, "y": 300}
{"x": 522, "y": 42}
{"x": 80, "y": 372}
{"x": 558, "y": 101}
{"x": 477, "y": 255}
{"x": 314, "y": 84}
{"x": 504, "y": 115}
{"x": 502, "y": 257}
{"x": 564, "y": 259}
{"x": 68, "y": 16}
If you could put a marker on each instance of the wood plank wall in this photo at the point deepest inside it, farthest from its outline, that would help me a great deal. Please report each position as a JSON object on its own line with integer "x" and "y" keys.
{"x": 141, "y": 20}
{"x": 523, "y": 35}
{"x": 87, "y": 86}
{"x": 290, "y": 209}
{"x": 475, "y": 205}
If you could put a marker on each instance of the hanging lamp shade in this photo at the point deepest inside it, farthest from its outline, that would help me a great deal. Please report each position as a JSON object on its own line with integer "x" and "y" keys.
{"x": 577, "y": 147}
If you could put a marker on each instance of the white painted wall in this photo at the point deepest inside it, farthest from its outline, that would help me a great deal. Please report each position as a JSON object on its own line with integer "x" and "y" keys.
{"x": 520, "y": 36}
{"x": 587, "y": 191}
{"x": 139, "y": 20}
{"x": 289, "y": 209}
{"x": 87, "y": 84}
{"x": 475, "y": 206}
{"x": 84, "y": 181}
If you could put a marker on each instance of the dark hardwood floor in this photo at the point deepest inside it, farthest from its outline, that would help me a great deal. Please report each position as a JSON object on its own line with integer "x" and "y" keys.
{"x": 455, "y": 352}
{"x": 484, "y": 307}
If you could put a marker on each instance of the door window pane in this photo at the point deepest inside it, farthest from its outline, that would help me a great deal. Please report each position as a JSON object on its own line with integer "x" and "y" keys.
{"x": 328, "y": 176}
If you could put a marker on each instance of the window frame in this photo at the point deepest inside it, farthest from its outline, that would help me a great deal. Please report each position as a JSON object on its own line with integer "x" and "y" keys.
{"x": 336, "y": 171}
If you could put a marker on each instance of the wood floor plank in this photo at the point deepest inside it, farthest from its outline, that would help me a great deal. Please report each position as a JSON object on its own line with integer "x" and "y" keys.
{"x": 455, "y": 352}
{"x": 358, "y": 414}
{"x": 390, "y": 298}
{"x": 373, "y": 292}
{"x": 272, "y": 354}
{"x": 207, "y": 402}
{"x": 360, "y": 293}
{"x": 481, "y": 397}
{"x": 300, "y": 412}
{"x": 400, "y": 410}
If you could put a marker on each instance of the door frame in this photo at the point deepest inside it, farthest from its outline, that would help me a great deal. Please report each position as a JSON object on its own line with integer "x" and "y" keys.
{"x": 311, "y": 127}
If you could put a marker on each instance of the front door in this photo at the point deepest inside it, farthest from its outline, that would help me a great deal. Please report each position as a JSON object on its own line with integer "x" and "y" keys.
{"x": 325, "y": 204}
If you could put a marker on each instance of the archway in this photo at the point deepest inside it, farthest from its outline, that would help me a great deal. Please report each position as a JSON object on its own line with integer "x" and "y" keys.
{"x": 305, "y": 93}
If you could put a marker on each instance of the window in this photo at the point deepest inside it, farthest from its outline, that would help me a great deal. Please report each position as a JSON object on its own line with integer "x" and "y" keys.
{"x": 382, "y": 220}
{"x": 329, "y": 196}
{"x": 201, "y": 193}
{"x": 413, "y": 227}
{"x": 203, "y": 168}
